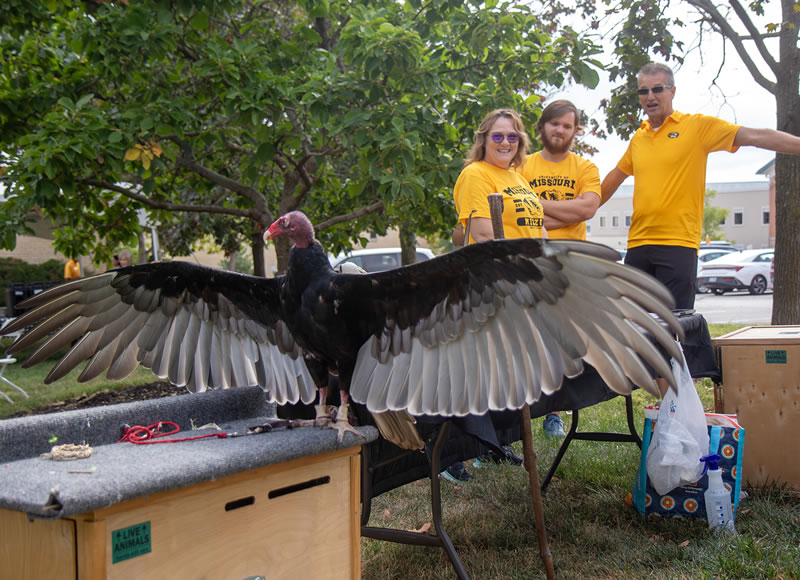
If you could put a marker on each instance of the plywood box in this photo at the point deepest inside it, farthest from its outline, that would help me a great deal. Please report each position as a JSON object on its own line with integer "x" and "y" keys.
{"x": 298, "y": 519}
{"x": 761, "y": 384}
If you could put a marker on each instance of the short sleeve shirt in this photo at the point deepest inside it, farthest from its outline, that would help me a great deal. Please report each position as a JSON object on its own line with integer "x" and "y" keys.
{"x": 522, "y": 212}
{"x": 562, "y": 181}
{"x": 669, "y": 169}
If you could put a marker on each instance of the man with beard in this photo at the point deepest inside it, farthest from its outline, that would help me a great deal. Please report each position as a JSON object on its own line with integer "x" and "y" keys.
{"x": 568, "y": 185}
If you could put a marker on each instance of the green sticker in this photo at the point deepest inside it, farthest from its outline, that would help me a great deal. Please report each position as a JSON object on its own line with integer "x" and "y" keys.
{"x": 776, "y": 357}
{"x": 130, "y": 542}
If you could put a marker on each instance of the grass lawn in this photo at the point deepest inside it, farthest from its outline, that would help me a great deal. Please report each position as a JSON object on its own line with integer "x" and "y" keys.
{"x": 592, "y": 532}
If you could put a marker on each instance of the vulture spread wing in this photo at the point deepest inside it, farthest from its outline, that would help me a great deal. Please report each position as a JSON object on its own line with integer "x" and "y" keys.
{"x": 494, "y": 325}
{"x": 199, "y": 327}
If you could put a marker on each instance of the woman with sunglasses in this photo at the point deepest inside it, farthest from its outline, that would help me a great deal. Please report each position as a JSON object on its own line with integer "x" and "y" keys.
{"x": 501, "y": 144}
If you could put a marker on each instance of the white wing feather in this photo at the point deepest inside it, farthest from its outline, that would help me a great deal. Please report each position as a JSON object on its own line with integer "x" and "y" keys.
{"x": 505, "y": 344}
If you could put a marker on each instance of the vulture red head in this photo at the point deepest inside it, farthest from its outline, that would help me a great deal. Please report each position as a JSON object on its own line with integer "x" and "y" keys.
{"x": 296, "y": 226}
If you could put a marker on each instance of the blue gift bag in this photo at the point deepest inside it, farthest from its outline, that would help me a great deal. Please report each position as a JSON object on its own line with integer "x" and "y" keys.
{"x": 687, "y": 501}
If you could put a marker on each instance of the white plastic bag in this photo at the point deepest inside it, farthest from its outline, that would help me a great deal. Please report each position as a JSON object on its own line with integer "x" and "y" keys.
{"x": 680, "y": 436}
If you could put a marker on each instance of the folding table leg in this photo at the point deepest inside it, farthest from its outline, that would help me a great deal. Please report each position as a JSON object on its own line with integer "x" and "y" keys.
{"x": 441, "y": 540}
{"x": 573, "y": 434}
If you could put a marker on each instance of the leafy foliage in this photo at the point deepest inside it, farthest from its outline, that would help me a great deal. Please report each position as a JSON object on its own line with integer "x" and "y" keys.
{"x": 713, "y": 217}
{"x": 357, "y": 112}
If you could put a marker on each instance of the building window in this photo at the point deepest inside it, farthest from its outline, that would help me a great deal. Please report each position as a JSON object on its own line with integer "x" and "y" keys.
{"x": 602, "y": 221}
{"x": 627, "y": 219}
{"x": 765, "y": 216}
{"x": 738, "y": 216}
{"x": 615, "y": 221}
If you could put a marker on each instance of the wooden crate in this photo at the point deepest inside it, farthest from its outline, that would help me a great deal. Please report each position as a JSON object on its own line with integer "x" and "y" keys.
{"x": 761, "y": 384}
{"x": 299, "y": 519}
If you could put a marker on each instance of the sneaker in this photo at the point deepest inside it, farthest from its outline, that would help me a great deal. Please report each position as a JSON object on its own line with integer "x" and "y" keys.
{"x": 456, "y": 473}
{"x": 553, "y": 426}
{"x": 493, "y": 457}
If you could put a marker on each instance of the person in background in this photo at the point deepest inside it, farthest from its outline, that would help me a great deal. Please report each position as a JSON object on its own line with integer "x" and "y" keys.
{"x": 72, "y": 269}
{"x": 667, "y": 157}
{"x": 125, "y": 258}
{"x": 500, "y": 146}
{"x": 568, "y": 187}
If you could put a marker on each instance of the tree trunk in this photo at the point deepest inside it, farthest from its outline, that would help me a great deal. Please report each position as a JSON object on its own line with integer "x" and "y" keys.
{"x": 282, "y": 249}
{"x": 257, "y": 246}
{"x": 408, "y": 245}
{"x": 786, "y": 294}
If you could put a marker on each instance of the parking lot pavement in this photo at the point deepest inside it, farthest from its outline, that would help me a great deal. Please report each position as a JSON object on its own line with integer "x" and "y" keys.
{"x": 735, "y": 308}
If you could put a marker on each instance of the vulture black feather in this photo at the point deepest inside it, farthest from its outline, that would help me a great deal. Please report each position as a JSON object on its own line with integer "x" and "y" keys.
{"x": 489, "y": 326}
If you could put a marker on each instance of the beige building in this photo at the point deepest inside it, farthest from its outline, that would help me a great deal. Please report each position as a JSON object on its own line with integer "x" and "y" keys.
{"x": 750, "y": 222}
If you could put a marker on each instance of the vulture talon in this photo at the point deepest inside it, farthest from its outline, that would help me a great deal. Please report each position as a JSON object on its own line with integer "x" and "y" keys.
{"x": 341, "y": 425}
{"x": 324, "y": 415}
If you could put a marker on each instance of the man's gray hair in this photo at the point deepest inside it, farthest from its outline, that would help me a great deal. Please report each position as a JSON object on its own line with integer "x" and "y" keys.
{"x": 654, "y": 68}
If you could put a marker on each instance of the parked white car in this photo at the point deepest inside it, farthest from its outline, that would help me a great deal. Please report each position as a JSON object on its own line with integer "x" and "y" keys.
{"x": 378, "y": 259}
{"x": 746, "y": 270}
{"x": 706, "y": 254}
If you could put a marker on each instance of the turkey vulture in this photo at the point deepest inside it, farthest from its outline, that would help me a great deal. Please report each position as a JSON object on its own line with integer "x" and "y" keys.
{"x": 489, "y": 326}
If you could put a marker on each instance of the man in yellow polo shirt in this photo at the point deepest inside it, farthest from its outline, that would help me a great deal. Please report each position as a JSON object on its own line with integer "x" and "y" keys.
{"x": 667, "y": 157}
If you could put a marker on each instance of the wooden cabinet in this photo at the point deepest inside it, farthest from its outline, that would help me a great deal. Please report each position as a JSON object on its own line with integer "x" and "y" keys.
{"x": 761, "y": 384}
{"x": 297, "y": 519}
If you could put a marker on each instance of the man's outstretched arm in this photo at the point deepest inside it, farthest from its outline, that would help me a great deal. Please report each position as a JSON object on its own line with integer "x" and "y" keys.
{"x": 767, "y": 139}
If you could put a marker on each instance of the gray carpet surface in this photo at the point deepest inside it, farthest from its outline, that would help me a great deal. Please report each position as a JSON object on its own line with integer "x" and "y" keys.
{"x": 116, "y": 472}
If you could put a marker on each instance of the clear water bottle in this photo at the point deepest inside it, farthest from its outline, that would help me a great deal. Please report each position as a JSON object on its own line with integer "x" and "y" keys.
{"x": 719, "y": 508}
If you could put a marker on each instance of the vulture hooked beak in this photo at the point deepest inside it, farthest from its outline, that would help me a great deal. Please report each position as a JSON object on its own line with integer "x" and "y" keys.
{"x": 272, "y": 232}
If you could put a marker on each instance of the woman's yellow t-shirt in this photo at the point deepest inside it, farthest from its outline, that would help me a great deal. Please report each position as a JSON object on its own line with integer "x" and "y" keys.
{"x": 522, "y": 212}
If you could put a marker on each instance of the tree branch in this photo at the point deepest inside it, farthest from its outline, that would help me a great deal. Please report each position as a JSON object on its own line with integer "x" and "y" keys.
{"x": 727, "y": 31}
{"x": 156, "y": 204}
{"x": 373, "y": 208}
{"x": 756, "y": 37}
{"x": 186, "y": 160}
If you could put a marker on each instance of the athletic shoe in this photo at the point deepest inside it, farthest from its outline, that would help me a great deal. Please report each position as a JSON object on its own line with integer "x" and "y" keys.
{"x": 553, "y": 426}
{"x": 493, "y": 457}
{"x": 456, "y": 473}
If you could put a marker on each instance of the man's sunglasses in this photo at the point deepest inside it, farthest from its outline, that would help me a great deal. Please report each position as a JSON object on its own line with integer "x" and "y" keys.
{"x": 656, "y": 90}
{"x": 511, "y": 137}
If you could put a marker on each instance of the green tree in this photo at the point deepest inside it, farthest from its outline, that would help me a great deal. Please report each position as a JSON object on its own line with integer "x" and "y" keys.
{"x": 713, "y": 217}
{"x": 648, "y": 32}
{"x": 357, "y": 112}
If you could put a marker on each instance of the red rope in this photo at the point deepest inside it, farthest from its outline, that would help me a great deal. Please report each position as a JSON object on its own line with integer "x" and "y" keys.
{"x": 146, "y": 435}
